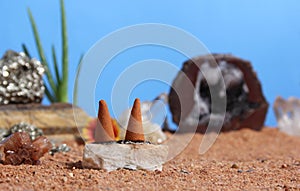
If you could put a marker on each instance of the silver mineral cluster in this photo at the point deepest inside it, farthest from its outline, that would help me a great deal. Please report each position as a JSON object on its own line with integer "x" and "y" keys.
{"x": 21, "y": 79}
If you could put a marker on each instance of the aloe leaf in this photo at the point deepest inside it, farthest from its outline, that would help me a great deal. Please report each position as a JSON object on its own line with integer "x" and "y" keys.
{"x": 41, "y": 52}
{"x": 64, "y": 81}
{"x": 76, "y": 81}
{"x": 49, "y": 95}
{"x": 25, "y": 50}
{"x": 55, "y": 66}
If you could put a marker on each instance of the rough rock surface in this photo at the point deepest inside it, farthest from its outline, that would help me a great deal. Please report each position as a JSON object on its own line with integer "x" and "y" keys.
{"x": 190, "y": 97}
{"x": 20, "y": 79}
{"x": 113, "y": 156}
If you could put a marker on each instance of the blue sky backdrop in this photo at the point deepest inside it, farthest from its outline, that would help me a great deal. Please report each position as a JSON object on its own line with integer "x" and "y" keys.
{"x": 265, "y": 32}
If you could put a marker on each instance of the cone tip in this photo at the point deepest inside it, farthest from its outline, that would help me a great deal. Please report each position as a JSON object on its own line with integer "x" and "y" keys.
{"x": 137, "y": 101}
{"x": 102, "y": 102}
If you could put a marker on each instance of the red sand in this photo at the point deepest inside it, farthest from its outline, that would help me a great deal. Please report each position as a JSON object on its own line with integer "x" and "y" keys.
{"x": 239, "y": 160}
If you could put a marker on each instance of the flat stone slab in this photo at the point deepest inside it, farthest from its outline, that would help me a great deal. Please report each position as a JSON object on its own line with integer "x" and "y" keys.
{"x": 134, "y": 156}
{"x": 55, "y": 120}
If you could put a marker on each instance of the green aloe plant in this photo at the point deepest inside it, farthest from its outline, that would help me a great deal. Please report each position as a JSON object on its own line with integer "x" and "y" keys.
{"x": 57, "y": 87}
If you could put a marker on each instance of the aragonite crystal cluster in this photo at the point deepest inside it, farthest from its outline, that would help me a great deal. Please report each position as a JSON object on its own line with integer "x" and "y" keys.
{"x": 18, "y": 148}
{"x": 131, "y": 153}
{"x": 20, "y": 79}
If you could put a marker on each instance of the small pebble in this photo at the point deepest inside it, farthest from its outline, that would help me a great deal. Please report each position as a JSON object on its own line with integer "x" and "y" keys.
{"x": 157, "y": 172}
{"x": 284, "y": 166}
{"x": 234, "y": 166}
{"x": 262, "y": 160}
{"x": 184, "y": 171}
{"x": 250, "y": 170}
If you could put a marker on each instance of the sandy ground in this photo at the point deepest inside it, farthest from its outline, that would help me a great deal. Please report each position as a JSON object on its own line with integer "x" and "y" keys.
{"x": 239, "y": 160}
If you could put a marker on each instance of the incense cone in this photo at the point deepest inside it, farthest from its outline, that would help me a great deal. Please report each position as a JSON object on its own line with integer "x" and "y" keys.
{"x": 135, "y": 130}
{"x": 104, "y": 130}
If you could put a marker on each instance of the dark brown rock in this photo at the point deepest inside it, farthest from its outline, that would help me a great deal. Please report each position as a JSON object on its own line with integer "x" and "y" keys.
{"x": 246, "y": 106}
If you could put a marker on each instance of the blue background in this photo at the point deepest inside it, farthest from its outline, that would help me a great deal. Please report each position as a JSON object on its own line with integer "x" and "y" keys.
{"x": 265, "y": 32}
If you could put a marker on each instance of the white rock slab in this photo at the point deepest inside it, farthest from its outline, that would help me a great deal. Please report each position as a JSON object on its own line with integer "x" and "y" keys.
{"x": 113, "y": 156}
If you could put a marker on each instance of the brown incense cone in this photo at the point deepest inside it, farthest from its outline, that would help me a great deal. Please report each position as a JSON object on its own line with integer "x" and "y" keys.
{"x": 135, "y": 130}
{"x": 104, "y": 130}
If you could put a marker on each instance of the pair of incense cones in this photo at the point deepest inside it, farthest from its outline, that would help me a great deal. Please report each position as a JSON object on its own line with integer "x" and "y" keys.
{"x": 104, "y": 131}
